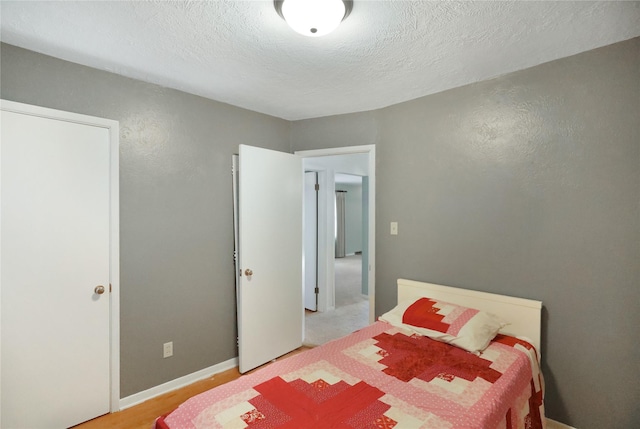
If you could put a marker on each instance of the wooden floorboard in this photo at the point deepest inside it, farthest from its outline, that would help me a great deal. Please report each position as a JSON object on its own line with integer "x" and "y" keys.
{"x": 143, "y": 416}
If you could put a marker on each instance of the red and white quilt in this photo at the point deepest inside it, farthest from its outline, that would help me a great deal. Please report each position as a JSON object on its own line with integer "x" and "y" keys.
{"x": 378, "y": 377}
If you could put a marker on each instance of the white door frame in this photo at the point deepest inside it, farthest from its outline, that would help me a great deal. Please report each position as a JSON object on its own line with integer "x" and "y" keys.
{"x": 114, "y": 265}
{"x": 326, "y": 250}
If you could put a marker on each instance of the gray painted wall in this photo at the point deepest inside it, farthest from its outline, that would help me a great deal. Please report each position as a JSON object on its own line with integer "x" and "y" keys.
{"x": 176, "y": 224}
{"x": 527, "y": 185}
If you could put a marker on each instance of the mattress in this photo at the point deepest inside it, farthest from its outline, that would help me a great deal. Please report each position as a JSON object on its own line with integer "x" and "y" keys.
{"x": 378, "y": 377}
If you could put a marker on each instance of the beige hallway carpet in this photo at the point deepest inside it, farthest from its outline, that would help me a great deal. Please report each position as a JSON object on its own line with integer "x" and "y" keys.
{"x": 352, "y": 308}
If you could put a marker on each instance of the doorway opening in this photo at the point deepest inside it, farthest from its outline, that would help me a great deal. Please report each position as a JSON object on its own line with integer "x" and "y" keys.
{"x": 351, "y": 310}
{"x": 345, "y": 285}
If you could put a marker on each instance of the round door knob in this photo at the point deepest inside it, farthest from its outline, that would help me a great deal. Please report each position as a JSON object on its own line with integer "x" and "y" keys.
{"x": 248, "y": 272}
{"x": 99, "y": 290}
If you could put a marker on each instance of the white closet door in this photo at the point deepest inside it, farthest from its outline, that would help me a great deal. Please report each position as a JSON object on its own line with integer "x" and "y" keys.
{"x": 55, "y": 252}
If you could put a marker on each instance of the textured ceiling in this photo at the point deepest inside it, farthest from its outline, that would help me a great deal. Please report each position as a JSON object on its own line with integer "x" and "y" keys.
{"x": 385, "y": 52}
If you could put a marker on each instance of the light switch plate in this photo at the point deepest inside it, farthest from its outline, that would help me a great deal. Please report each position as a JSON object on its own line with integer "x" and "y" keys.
{"x": 394, "y": 228}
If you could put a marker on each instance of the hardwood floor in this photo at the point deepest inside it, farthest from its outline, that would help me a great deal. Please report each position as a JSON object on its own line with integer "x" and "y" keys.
{"x": 143, "y": 416}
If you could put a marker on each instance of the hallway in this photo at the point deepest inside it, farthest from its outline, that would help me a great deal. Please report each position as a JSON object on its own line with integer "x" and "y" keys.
{"x": 352, "y": 308}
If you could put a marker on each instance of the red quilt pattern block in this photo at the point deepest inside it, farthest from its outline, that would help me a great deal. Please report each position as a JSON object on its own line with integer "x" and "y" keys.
{"x": 385, "y": 422}
{"x": 424, "y": 358}
{"x": 252, "y": 416}
{"x": 298, "y": 405}
{"x": 424, "y": 313}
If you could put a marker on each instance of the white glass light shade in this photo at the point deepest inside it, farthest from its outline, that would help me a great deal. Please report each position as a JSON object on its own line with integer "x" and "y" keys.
{"x": 313, "y": 17}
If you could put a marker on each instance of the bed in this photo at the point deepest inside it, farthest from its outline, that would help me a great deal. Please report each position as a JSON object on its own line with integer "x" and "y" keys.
{"x": 425, "y": 364}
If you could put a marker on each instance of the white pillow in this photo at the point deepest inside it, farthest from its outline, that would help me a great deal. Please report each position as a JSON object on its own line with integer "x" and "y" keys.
{"x": 463, "y": 327}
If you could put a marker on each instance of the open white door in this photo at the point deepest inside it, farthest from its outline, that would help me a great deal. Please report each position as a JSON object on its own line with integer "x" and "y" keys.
{"x": 270, "y": 307}
{"x": 311, "y": 240}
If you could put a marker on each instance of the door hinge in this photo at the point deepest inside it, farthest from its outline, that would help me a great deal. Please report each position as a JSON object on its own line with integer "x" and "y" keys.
{"x": 317, "y": 290}
{"x": 317, "y": 187}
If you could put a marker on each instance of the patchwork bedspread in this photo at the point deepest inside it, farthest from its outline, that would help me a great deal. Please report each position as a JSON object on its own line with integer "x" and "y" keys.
{"x": 378, "y": 377}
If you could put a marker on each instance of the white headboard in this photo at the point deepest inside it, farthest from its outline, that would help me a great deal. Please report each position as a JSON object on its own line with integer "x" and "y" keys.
{"x": 523, "y": 315}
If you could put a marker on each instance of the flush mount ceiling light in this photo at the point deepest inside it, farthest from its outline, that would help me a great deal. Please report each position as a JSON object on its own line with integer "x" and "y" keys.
{"x": 313, "y": 18}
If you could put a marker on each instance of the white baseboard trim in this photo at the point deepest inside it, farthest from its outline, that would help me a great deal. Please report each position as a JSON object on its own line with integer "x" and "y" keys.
{"x": 169, "y": 386}
{"x": 552, "y": 424}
